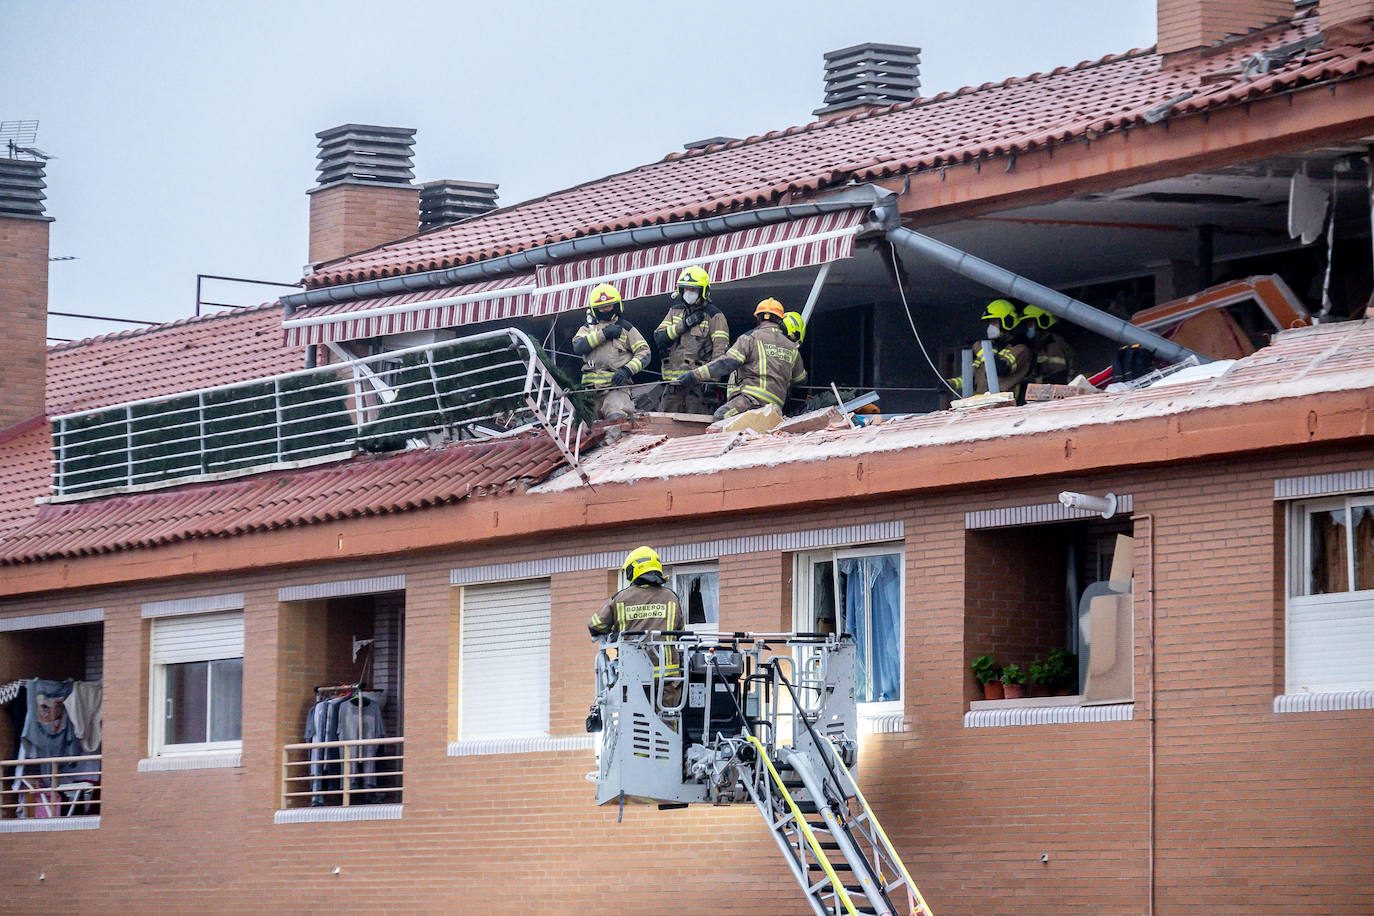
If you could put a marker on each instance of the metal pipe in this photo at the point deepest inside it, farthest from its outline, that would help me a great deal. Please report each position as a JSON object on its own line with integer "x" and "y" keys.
{"x": 852, "y": 199}
{"x": 821, "y": 276}
{"x": 990, "y": 368}
{"x": 1056, "y": 303}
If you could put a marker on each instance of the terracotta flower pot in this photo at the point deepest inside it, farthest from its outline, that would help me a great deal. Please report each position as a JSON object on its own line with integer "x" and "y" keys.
{"x": 1038, "y": 690}
{"x": 1014, "y": 691}
{"x": 992, "y": 690}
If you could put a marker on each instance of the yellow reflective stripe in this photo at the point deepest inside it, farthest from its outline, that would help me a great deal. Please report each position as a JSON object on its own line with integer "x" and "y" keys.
{"x": 1057, "y": 360}
{"x": 734, "y": 353}
{"x": 595, "y": 376}
{"x": 674, "y": 373}
{"x": 1009, "y": 356}
{"x": 633, "y": 365}
{"x": 762, "y": 394}
{"x": 723, "y": 335}
{"x": 620, "y": 615}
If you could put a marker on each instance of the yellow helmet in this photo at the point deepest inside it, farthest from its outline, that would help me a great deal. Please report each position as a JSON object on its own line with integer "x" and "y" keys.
{"x": 1003, "y": 312}
{"x": 696, "y": 278}
{"x": 769, "y": 307}
{"x": 640, "y": 561}
{"x": 604, "y": 304}
{"x": 1041, "y": 317}
{"x": 794, "y": 325}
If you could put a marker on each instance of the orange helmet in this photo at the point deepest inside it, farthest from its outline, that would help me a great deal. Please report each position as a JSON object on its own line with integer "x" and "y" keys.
{"x": 769, "y": 306}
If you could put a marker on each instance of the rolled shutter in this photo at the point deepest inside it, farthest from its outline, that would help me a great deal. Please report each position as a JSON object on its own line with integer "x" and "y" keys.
{"x": 504, "y": 662}
{"x": 197, "y": 638}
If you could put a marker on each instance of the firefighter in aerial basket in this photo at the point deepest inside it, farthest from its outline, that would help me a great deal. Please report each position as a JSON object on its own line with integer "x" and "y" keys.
{"x": 612, "y": 351}
{"x": 647, "y": 603}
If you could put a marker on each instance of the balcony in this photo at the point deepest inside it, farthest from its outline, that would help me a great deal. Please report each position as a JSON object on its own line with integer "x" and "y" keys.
{"x": 50, "y": 793}
{"x": 319, "y": 778}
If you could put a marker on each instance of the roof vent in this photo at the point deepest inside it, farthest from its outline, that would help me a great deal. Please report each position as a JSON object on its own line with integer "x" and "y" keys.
{"x": 21, "y": 188}
{"x": 366, "y": 154}
{"x": 870, "y": 74}
{"x": 449, "y": 200}
{"x": 709, "y": 141}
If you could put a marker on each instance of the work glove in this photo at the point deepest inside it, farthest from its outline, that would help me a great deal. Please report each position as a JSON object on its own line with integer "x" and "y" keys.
{"x": 621, "y": 377}
{"x": 688, "y": 380}
{"x": 613, "y": 331}
{"x": 694, "y": 318}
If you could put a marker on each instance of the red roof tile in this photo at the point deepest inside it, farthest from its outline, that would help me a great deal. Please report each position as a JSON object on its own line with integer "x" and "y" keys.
{"x": 365, "y": 485}
{"x": 994, "y": 119}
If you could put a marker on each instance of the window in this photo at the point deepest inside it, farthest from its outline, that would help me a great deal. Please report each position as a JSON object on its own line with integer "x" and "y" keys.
{"x": 858, "y": 592}
{"x": 197, "y": 680}
{"x": 1330, "y": 607}
{"x": 699, "y": 588}
{"x": 503, "y": 667}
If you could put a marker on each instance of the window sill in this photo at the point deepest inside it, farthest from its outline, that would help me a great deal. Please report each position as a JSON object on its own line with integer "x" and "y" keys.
{"x": 881, "y": 723}
{"x": 209, "y": 761}
{"x": 480, "y": 747}
{"x": 44, "y": 824}
{"x": 1324, "y": 702}
{"x": 328, "y": 815}
{"x": 1043, "y": 711}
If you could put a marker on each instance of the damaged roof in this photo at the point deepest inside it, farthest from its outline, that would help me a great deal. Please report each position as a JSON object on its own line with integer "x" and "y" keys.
{"x": 1016, "y": 115}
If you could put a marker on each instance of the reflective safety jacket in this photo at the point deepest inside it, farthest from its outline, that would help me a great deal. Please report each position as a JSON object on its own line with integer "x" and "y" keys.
{"x": 686, "y": 348}
{"x": 1054, "y": 360}
{"x": 639, "y": 609}
{"x": 768, "y": 361}
{"x": 1014, "y": 363}
{"x": 601, "y": 357}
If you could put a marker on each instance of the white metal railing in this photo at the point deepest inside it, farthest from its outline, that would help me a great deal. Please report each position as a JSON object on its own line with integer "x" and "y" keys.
{"x": 50, "y": 787}
{"x": 367, "y": 771}
{"x": 484, "y": 385}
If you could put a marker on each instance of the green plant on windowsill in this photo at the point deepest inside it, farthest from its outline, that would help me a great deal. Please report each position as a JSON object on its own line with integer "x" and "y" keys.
{"x": 1062, "y": 671}
{"x": 1041, "y": 680}
{"x": 989, "y": 675}
{"x": 1013, "y": 681}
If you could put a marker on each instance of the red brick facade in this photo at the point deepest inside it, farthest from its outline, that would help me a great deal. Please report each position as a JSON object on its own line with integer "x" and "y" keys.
{"x": 1251, "y": 809}
{"x": 347, "y": 218}
{"x": 1187, "y": 24}
{"x": 23, "y": 317}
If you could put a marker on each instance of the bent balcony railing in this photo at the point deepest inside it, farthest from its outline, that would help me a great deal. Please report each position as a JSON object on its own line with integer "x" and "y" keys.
{"x": 44, "y": 787}
{"x": 368, "y": 771}
{"x": 482, "y": 386}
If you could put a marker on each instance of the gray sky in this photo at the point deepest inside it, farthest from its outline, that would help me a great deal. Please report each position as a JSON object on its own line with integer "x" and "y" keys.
{"x": 185, "y": 131}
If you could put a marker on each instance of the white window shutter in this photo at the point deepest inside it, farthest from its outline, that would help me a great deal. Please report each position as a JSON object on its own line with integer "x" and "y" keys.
{"x": 1331, "y": 642}
{"x": 197, "y": 638}
{"x": 503, "y": 689}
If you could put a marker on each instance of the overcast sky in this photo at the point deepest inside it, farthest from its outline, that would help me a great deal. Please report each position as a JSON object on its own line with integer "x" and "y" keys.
{"x": 185, "y": 131}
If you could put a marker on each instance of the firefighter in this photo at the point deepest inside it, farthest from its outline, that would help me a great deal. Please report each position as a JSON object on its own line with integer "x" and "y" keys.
{"x": 647, "y": 603}
{"x": 768, "y": 361}
{"x": 693, "y": 333}
{"x": 1054, "y": 359}
{"x": 612, "y": 351}
{"x": 1014, "y": 359}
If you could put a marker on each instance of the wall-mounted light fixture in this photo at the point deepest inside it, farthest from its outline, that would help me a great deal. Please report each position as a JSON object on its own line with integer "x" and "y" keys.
{"x": 1103, "y": 505}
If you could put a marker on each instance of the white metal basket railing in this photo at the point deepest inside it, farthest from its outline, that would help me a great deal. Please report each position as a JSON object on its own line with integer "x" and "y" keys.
{"x": 481, "y": 386}
{"x": 44, "y": 787}
{"x": 330, "y": 773}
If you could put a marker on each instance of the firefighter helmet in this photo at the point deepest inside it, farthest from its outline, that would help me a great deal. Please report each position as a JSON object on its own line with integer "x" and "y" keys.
{"x": 1042, "y": 318}
{"x": 794, "y": 325}
{"x": 695, "y": 278}
{"x": 604, "y": 304}
{"x": 769, "y": 307}
{"x": 1002, "y": 312}
{"x": 641, "y": 560}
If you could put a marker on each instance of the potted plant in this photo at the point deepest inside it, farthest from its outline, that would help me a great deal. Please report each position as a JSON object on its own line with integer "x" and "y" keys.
{"x": 988, "y": 674}
{"x": 1042, "y": 679}
{"x": 1063, "y": 671}
{"x": 1013, "y": 682}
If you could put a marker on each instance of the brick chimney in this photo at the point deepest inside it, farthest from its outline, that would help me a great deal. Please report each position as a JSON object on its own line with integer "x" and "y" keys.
{"x": 869, "y": 75}
{"x": 23, "y": 290}
{"x": 1346, "y": 21}
{"x": 1189, "y": 25}
{"x": 364, "y": 197}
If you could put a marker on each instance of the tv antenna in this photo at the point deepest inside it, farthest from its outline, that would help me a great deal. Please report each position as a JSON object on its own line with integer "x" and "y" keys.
{"x": 19, "y": 137}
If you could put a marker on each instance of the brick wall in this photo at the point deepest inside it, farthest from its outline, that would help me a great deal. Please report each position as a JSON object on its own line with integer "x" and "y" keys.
{"x": 23, "y": 317}
{"x": 347, "y": 218}
{"x": 1252, "y": 809}
{"x": 1347, "y": 20}
{"x": 1187, "y": 24}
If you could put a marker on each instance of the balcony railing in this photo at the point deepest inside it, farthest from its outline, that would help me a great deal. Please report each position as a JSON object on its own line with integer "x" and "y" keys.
{"x": 369, "y": 771}
{"x": 50, "y": 787}
{"x": 481, "y": 386}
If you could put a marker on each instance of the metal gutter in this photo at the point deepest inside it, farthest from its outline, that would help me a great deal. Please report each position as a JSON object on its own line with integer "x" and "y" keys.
{"x": 849, "y": 199}
{"x": 1056, "y": 303}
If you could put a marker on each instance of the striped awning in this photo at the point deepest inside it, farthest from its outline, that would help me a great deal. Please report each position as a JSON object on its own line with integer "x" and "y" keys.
{"x": 426, "y": 310}
{"x": 654, "y": 271}
{"x": 640, "y": 272}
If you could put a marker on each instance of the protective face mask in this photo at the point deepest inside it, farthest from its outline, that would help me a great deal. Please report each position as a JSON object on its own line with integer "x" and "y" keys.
{"x": 690, "y": 296}
{"x": 1030, "y": 333}
{"x": 994, "y": 331}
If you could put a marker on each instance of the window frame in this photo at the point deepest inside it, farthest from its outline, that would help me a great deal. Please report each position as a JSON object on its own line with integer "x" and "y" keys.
{"x": 688, "y": 569}
{"x": 158, "y": 745}
{"x": 803, "y": 613}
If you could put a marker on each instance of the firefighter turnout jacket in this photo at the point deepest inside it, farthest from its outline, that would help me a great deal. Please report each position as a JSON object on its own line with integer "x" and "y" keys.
{"x": 768, "y": 361}
{"x": 603, "y": 352}
{"x": 639, "y": 609}
{"x": 685, "y": 348}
